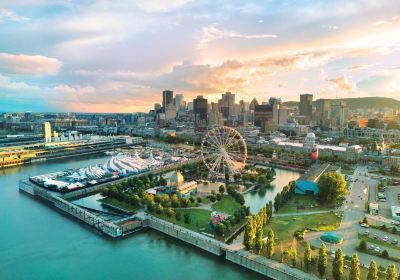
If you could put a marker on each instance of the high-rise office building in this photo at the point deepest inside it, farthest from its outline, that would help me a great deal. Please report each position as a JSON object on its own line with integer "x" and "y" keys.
{"x": 47, "y": 132}
{"x": 339, "y": 113}
{"x": 200, "y": 111}
{"x": 305, "y": 106}
{"x": 178, "y": 102}
{"x": 263, "y": 116}
{"x": 323, "y": 112}
{"x": 167, "y": 99}
{"x": 227, "y": 104}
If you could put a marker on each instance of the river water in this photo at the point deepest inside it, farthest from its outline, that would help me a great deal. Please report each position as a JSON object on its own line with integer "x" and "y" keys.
{"x": 37, "y": 242}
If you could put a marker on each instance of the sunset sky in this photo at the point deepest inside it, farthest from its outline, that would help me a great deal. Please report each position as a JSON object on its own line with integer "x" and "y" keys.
{"x": 118, "y": 55}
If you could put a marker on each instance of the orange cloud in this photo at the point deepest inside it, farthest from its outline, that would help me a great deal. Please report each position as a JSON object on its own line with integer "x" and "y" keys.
{"x": 29, "y": 64}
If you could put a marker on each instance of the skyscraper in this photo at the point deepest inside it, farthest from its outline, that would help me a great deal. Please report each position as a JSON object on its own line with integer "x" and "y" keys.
{"x": 323, "y": 112}
{"x": 263, "y": 116}
{"x": 178, "y": 102}
{"x": 227, "y": 104}
{"x": 200, "y": 111}
{"x": 47, "y": 132}
{"x": 167, "y": 99}
{"x": 305, "y": 106}
{"x": 339, "y": 113}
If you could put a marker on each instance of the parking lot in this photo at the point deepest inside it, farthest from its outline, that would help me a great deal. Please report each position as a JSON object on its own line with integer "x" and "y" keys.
{"x": 388, "y": 197}
{"x": 381, "y": 240}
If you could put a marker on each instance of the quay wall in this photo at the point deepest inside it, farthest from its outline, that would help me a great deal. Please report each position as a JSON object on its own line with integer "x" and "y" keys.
{"x": 211, "y": 245}
{"x": 264, "y": 266}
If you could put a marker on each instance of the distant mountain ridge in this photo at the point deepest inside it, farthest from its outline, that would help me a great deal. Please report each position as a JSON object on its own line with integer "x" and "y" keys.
{"x": 362, "y": 102}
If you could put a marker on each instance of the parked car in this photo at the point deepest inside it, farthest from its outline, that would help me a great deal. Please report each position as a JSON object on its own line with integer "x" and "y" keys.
{"x": 366, "y": 232}
{"x": 385, "y": 239}
{"x": 394, "y": 241}
{"x": 376, "y": 236}
{"x": 365, "y": 225}
{"x": 377, "y": 249}
{"x": 394, "y": 222}
{"x": 371, "y": 247}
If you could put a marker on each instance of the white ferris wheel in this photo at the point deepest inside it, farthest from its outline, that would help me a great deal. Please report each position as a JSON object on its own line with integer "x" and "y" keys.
{"x": 224, "y": 151}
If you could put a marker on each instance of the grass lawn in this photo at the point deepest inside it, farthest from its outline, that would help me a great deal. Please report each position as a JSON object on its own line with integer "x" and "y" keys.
{"x": 378, "y": 242}
{"x": 120, "y": 204}
{"x": 285, "y": 227}
{"x": 199, "y": 219}
{"x": 309, "y": 202}
{"x": 227, "y": 205}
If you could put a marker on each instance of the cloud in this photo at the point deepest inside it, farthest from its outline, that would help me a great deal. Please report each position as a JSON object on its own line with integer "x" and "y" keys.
{"x": 358, "y": 67}
{"x": 29, "y": 64}
{"x": 160, "y": 5}
{"x": 343, "y": 84}
{"x": 8, "y": 15}
{"x": 383, "y": 83}
{"x": 212, "y": 33}
{"x": 392, "y": 20}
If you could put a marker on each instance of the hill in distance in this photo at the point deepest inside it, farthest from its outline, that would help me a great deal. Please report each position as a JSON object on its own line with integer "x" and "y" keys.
{"x": 362, "y": 103}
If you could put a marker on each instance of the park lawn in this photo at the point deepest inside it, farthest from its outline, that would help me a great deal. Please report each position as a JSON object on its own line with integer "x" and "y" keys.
{"x": 199, "y": 219}
{"x": 112, "y": 202}
{"x": 378, "y": 242}
{"x": 227, "y": 205}
{"x": 285, "y": 227}
{"x": 310, "y": 203}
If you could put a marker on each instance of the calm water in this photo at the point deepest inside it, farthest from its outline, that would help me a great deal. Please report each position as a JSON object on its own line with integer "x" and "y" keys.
{"x": 38, "y": 243}
{"x": 257, "y": 200}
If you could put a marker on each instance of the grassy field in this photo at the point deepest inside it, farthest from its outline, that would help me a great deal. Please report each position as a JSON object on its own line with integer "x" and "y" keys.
{"x": 199, "y": 219}
{"x": 285, "y": 227}
{"x": 227, "y": 205}
{"x": 119, "y": 204}
{"x": 309, "y": 202}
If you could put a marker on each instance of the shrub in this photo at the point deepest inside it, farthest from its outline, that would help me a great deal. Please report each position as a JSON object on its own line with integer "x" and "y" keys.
{"x": 186, "y": 218}
{"x": 385, "y": 254}
{"x": 178, "y": 216}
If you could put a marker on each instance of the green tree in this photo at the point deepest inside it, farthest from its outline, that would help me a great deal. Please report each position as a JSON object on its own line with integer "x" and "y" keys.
{"x": 338, "y": 264}
{"x": 391, "y": 273}
{"x": 293, "y": 253}
{"x": 372, "y": 271}
{"x": 307, "y": 257}
{"x": 331, "y": 186}
{"x": 221, "y": 189}
{"x": 385, "y": 254}
{"x": 322, "y": 260}
{"x": 362, "y": 246}
{"x": 246, "y": 237}
{"x": 269, "y": 210}
{"x": 270, "y": 244}
{"x": 258, "y": 242}
{"x": 178, "y": 216}
{"x": 220, "y": 229}
{"x": 355, "y": 273}
{"x": 170, "y": 212}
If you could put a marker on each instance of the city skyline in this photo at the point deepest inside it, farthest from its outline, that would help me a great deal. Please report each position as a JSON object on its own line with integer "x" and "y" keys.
{"x": 91, "y": 56}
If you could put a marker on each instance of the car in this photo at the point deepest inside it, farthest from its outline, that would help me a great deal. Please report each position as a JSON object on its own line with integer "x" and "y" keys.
{"x": 385, "y": 239}
{"x": 394, "y": 222}
{"x": 394, "y": 241}
{"x": 376, "y": 236}
{"x": 377, "y": 249}
{"x": 365, "y": 225}
{"x": 366, "y": 232}
{"x": 371, "y": 247}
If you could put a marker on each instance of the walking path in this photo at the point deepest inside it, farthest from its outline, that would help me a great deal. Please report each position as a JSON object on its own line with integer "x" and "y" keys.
{"x": 302, "y": 213}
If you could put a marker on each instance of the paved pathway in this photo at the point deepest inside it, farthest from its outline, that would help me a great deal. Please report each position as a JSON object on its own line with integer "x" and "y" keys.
{"x": 301, "y": 213}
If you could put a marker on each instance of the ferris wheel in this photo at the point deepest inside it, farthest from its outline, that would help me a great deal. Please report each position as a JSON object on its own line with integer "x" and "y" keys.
{"x": 224, "y": 151}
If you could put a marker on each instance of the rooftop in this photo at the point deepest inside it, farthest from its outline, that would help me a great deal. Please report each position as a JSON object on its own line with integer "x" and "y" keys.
{"x": 314, "y": 172}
